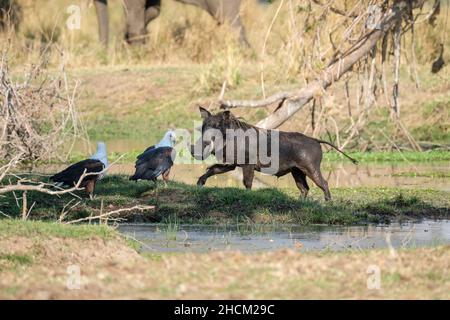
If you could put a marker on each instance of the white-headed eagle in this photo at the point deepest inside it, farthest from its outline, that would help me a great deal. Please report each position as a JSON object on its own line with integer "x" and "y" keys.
{"x": 156, "y": 160}
{"x": 96, "y": 163}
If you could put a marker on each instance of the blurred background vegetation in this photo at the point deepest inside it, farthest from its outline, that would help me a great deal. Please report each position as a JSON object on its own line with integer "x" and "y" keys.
{"x": 135, "y": 93}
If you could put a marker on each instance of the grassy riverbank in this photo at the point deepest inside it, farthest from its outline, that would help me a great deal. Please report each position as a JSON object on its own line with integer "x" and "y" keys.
{"x": 35, "y": 256}
{"x": 182, "y": 203}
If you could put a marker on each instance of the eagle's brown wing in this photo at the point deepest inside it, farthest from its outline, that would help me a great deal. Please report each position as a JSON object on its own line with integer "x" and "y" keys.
{"x": 153, "y": 163}
{"x": 72, "y": 174}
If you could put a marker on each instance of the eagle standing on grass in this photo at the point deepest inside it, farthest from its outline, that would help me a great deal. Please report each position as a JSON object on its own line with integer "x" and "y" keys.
{"x": 156, "y": 160}
{"x": 95, "y": 164}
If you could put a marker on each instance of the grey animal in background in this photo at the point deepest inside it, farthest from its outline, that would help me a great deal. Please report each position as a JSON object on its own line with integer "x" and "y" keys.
{"x": 139, "y": 13}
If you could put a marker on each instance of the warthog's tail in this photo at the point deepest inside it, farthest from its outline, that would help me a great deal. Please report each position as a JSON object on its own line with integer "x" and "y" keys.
{"x": 332, "y": 145}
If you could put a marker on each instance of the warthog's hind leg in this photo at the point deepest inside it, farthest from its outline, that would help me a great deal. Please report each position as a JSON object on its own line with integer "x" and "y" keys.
{"x": 316, "y": 176}
{"x": 300, "y": 181}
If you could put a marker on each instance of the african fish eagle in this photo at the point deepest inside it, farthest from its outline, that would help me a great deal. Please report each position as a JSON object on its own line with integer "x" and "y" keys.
{"x": 95, "y": 164}
{"x": 156, "y": 160}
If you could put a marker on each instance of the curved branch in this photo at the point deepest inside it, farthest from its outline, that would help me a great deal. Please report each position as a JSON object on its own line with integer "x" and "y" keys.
{"x": 291, "y": 102}
{"x": 228, "y": 104}
{"x": 110, "y": 213}
{"x": 336, "y": 10}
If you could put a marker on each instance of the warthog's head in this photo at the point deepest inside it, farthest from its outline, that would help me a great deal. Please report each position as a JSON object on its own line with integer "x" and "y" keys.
{"x": 213, "y": 131}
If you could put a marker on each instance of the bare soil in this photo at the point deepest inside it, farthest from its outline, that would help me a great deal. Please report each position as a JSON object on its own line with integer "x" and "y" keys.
{"x": 111, "y": 269}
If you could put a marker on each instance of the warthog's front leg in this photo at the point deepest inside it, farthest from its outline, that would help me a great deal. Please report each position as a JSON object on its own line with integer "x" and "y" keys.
{"x": 213, "y": 170}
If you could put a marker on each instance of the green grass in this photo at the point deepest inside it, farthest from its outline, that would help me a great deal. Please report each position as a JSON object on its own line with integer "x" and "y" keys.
{"x": 13, "y": 227}
{"x": 423, "y": 174}
{"x": 392, "y": 156}
{"x": 49, "y": 229}
{"x": 182, "y": 203}
{"x": 16, "y": 259}
{"x": 438, "y": 132}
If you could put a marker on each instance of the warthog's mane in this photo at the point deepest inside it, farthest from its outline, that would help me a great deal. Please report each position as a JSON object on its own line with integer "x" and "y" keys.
{"x": 239, "y": 123}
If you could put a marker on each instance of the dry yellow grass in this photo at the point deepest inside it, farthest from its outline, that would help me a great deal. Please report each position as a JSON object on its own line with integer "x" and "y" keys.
{"x": 297, "y": 43}
{"x": 110, "y": 269}
{"x": 185, "y": 37}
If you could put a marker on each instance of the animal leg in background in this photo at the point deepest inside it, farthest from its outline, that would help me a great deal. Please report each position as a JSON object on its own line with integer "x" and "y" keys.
{"x": 152, "y": 10}
{"x": 135, "y": 21}
{"x": 213, "y": 170}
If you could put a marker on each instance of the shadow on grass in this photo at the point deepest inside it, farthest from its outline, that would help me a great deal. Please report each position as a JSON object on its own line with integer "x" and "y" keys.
{"x": 402, "y": 205}
{"x": 191, "y": 204}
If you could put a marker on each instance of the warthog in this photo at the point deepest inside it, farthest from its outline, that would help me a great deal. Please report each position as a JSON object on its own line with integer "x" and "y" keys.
{"x": 238, "y": 144}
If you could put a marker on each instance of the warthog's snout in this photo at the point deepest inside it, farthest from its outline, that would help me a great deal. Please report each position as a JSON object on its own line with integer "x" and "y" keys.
{"x": 200, "y": 152}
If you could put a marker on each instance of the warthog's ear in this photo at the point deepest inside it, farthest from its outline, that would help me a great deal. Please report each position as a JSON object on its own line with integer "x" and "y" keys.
{"x": 204, "y": 113}
{"x": 226, "y": 115}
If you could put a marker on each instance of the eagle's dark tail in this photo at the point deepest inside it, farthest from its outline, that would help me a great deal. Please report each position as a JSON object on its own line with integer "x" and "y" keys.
{"x": 332, "y": 145}
{"x": 147, "y": 175}
{"x": 57, "y": 177}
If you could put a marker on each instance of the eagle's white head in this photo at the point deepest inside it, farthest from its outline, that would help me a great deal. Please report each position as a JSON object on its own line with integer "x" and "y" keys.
{"x": 169, "y": 139}
{"x": 101, "y": 154}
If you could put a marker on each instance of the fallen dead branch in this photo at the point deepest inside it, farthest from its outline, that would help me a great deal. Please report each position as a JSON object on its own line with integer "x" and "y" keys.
{"x": 24, "y": 185}
{"x": 139, "y": 208}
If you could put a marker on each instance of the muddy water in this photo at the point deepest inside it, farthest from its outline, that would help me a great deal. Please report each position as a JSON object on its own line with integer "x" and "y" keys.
{"x": 338, "y": 175}
{"x": 191, "y": 238}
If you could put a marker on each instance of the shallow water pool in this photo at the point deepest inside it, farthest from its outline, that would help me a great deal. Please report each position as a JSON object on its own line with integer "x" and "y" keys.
{"x": 254, "y": 238}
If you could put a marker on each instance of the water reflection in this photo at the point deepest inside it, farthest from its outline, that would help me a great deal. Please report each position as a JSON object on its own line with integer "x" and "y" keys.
{"x": 191, "y": 238}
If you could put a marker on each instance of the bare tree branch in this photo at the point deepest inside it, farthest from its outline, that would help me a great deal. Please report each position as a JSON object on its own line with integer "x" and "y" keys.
{"x": 336, "y": 10}
{"x": 114, "y": 212}
{"x": 291, "y": 102}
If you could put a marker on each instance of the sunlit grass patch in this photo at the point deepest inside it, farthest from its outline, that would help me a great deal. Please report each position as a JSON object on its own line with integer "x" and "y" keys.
{"x": 423, "y": 174}
{"x": 15, "y": 259}
{"x": 12, "y": 227}
{"x": 391, "y": 156}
